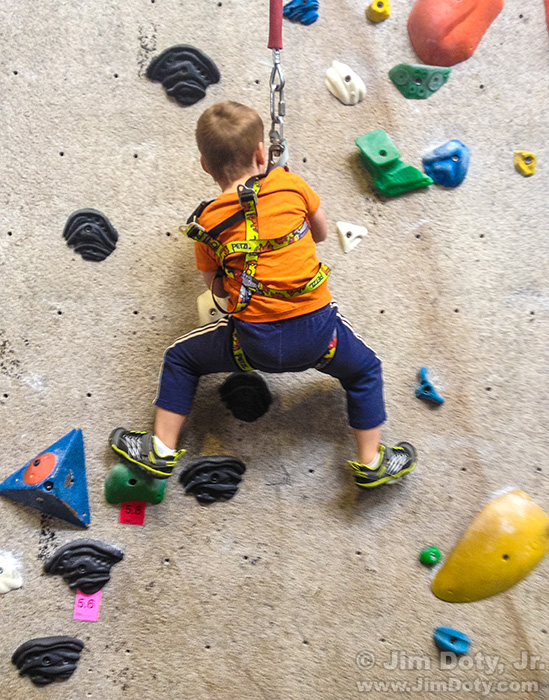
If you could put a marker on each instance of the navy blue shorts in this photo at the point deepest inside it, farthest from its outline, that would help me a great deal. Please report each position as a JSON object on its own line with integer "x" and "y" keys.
{"x": 292, "y": 345}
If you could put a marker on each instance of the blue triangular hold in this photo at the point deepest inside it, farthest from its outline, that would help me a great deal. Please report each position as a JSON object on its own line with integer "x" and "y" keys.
{"x": 54, "y": 482}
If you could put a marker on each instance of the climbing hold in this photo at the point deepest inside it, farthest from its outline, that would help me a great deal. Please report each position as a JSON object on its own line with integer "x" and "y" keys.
{"x": 246, "y": 395}
{"x": 448, "y": 639}
{"x": 417, "y": 82}
{"x": 10, "y": 579}
{"x": 127, "y": 482}
{"x": 448, "y": 164}
{"x": 212, "y": 478}
{"x": 91, "y": 234}
{"x": 48, "y": 659}
{"x": 446, "y": 32}
{"x": 304, "y": 11}
{"x": 525, "y": 162}
{"x": 54, "y": 482}
{"x": 185, "y": 72}
{"x": 425, "y": 389}
{"x": 84, "y": 564}
{"x": 429, "y": 556}
{"x": 345, "y": 84}
{"x": 505, "y": 541}
{"x": 207, "y": 310}
{"x": 350, "y": 235}
{"x": 381, "y": 158}
{"x": 378, "y": 10}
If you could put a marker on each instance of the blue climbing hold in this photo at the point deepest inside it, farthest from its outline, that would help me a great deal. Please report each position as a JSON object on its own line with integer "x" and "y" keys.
{"x": 304, "y": 11}
{"x": 54, "y": 482}
{"x": 448, "y": 639}
{"x": 447, "y": 165}
{"x": 425, "y": 389}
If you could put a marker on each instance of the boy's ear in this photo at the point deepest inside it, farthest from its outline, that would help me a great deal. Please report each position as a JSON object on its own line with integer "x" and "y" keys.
{"x": 204, "y": 165}
{"x": 260, "y": 153}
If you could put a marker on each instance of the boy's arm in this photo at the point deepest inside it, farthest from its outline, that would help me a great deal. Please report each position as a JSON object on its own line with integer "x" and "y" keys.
{"x": 319, "y": 227}
{"x": 218, "y": 288}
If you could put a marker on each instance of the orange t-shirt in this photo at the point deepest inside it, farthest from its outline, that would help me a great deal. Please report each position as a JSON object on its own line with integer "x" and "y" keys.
{"x": 284, "y": 201}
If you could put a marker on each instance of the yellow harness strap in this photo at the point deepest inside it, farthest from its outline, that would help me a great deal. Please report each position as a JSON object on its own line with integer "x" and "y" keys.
{"x": 251, "y": 247}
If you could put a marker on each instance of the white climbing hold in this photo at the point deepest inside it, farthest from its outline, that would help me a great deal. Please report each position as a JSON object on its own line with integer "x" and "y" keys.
{"x": 9, "y": 576}
{"x": 207, "y": 310}
{"x": 345, "y": 84}
{"x": 350, "y": 235}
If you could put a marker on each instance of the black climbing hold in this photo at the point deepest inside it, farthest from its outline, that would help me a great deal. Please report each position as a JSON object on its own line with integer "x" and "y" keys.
{"x": 84, "y": 564}
{"x": 246, "y": 395}
{"x": 48, "y": 659}
{"x": 185, "y": 72}
{"x": 91, "y": 234}
{"x": 213, "y": 478}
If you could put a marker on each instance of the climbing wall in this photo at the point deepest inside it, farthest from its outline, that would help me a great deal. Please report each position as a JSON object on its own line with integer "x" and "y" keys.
{"x": 300, "y": 586}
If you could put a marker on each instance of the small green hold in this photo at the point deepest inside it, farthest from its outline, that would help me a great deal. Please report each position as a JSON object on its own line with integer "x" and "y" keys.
{"x": 128, "y": 483}
{"x": 429, "y": 556}
{"x": 381, "y": 158}
{"x": 418, "y": 82}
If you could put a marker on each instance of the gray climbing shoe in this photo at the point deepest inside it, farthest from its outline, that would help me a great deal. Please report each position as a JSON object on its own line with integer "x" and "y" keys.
{"x": 395, "y": 462}
{"x": 139, "y": 448}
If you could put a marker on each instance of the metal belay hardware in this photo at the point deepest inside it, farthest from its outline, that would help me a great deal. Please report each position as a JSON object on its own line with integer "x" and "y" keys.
{"x": 278, "y": 150}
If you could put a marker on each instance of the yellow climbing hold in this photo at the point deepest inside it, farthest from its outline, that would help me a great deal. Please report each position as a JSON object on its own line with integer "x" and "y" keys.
{"x": 525, "y": 162}
{"x": 378, "y": 10}
{"x": 500, "y": 547}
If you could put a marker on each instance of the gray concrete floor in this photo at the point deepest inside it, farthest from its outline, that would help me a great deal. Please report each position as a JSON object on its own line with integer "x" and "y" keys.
{"x": 277, "y": 593}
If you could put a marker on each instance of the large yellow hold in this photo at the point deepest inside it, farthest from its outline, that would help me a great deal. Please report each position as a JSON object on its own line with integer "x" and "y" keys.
{"x": 506, "y": 540}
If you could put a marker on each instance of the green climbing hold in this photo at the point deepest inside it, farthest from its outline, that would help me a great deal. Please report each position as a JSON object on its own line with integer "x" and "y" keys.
{"x": 418, "y": 82}
{"x": 381, "y": 158}
{"x": 429, "y": 556}
{"x": 128, "y": 483}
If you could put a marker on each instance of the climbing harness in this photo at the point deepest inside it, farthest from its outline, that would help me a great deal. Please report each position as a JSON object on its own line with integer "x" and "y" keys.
{"x": 251, "y": 247}
{"x": 278, "y": 150}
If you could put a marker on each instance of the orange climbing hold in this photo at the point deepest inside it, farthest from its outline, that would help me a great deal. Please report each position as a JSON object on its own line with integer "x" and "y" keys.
{"x": 40, "y": 468}
{"x": 547, "y": 12}
{"x": 446, "y": 32}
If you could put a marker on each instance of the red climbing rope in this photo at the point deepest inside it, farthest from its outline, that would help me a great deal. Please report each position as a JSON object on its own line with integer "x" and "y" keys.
{"x": 275, "y": 25}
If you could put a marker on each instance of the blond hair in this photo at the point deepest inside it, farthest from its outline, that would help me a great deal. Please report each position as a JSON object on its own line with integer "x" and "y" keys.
{"x": 227, "y": 135}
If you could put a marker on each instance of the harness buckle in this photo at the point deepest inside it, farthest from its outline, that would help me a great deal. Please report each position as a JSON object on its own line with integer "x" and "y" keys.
{"x": 245, "y": 195}
{"x": 191, "y": 229}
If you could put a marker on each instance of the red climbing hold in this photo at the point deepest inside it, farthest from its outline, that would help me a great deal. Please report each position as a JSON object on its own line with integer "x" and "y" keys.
{"x": 446, "y": 32}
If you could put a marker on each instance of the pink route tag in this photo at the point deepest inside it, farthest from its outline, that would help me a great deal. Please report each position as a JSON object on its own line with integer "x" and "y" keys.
{"x": 86, "y": 607}
{"x": 132, "y": 513}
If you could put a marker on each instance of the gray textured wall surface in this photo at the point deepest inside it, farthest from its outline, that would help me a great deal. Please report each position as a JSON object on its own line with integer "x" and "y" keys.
{"x": 272, "y": 595}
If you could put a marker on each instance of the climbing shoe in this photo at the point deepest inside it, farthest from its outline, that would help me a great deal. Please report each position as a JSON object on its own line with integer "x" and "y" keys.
{"x": 139, "y": 448}
{"x": 395, "y": 462}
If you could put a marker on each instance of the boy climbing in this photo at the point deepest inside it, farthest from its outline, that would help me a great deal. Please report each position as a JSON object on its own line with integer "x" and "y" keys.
{"x": 256, "y": 244}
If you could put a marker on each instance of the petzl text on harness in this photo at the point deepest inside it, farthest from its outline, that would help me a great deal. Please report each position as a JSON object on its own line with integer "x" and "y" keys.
{"x": 251, "y": 247}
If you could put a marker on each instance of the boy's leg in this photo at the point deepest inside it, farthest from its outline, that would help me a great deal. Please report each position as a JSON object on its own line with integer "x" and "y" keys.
{"x": 367, "y": 444}
{"x": 168, "y": 426}
{"x": 205, "y": 350}
{"x": 359, "y": 371}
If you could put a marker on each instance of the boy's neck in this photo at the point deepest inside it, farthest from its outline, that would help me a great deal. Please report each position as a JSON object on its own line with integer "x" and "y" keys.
{"x": 228, "y": 187}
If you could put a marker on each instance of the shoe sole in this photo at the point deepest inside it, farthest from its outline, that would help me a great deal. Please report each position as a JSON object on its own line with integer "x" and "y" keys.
{"x": 385, "y": 479}
{"x": 147, "y": 470}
